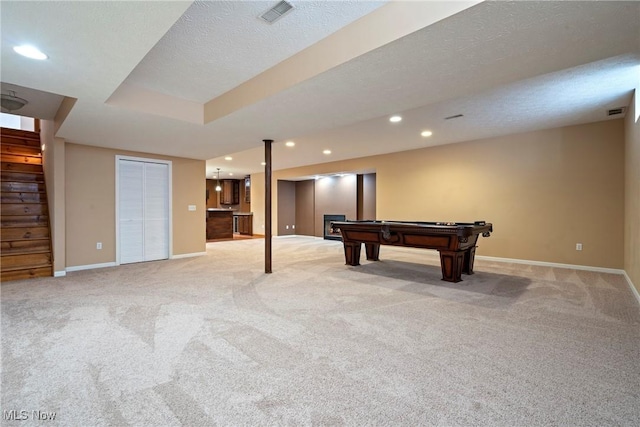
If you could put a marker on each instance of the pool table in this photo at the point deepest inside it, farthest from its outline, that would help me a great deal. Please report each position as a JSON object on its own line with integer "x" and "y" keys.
{"x": 456, "y": 242}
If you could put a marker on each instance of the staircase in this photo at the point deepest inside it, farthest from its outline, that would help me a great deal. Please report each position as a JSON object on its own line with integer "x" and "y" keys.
{"x": 24, "y": 223}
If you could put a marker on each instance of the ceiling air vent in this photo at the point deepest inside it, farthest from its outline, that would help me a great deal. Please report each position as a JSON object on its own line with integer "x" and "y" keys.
{"x": 616, "y": 111}
{"x": 276, "y": 12}
{"x": 454, "y": 117}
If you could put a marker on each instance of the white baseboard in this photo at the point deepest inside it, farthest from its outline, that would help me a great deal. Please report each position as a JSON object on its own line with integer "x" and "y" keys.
{"x": 633, "y": 288}
{"x": 188, "y": 255}
{"x": 306, "y": 236}
{"x": 90, "y": 266}
{"x": 113, "y": 264}
{"x": 552, "y": 264}
{"x": 59, "y": 273}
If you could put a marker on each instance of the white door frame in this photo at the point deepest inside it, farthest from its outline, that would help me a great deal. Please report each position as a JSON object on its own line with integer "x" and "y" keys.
{"x": 117, "y": 204}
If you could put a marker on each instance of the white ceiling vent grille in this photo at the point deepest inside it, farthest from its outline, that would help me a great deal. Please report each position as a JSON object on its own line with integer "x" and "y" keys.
{"x": 616, "y": 111}
{"x": 276, "y": 12}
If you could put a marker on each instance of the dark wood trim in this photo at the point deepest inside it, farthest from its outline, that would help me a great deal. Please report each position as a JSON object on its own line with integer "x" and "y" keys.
{"x": 267, "y": 205}
{"x": 359, "y": 197}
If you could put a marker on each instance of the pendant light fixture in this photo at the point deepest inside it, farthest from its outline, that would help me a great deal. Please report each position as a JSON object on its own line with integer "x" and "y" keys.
{"x": 218, "y": 188}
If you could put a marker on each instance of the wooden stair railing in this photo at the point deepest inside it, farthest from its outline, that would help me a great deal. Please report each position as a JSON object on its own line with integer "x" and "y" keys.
{"x": 25, "y": 238}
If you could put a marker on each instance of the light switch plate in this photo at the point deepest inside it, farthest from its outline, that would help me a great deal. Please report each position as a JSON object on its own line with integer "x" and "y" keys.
{"x": 192, "y": 207}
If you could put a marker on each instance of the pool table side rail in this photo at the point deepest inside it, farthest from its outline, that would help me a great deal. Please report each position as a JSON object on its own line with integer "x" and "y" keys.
{"x": 414, "y": 234}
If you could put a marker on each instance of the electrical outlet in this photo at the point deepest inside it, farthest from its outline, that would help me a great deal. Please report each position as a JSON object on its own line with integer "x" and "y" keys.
{"x": 578, "y": 246}
{"x": 99, "y": 245}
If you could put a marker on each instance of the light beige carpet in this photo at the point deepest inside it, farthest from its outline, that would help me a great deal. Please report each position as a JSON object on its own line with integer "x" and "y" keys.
{"x": 214, "y": 341}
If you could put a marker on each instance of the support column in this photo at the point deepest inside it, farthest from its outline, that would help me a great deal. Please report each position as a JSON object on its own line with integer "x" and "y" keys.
{"x": 267, "y": 205}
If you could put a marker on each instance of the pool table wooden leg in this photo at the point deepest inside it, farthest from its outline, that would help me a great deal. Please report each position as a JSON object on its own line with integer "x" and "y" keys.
{"x": 352, "y": 253}
{"x": 469, "y": 257}
{"x": 373, "y": 251}
{"x": 452, "y": 263}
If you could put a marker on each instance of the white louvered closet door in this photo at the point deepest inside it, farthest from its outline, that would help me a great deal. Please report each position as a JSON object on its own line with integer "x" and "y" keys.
{"x": 156, "y": 211}
{"x": 143, "y": 211}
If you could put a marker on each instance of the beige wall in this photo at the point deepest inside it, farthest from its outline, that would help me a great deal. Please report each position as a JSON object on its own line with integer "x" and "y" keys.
{"x": 369, "y": 196}
{"x": 304, "y": 203}
{"x": 632, "y": 194}
{"x": 286, "y": 208}
{"x": 53, "y": 158}
{"x": 305, "y": 207}
{"x": 258, "y": 183}
{"x": 90, "y": 204}
{"x": 335, "y": 195}
{"x": 543, "y": 191}
{"x": 258, "y": 203}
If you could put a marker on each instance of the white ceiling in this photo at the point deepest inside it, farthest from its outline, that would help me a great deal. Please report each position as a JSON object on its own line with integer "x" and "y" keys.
{"x": 213, "y": 30}
{"x": 143, "y": 73}
{"x": 43, "y": 105}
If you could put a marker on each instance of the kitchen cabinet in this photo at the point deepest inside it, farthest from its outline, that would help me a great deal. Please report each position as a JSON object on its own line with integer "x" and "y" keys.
{"x": 247, "y": 189}
{"x": 230, "y": 194}
{"x": 245, "y": 224}
{"x": 219, "y": 224}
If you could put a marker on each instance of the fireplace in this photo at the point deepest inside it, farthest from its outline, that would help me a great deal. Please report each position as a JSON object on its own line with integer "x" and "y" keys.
{"x": 330, "y": 233}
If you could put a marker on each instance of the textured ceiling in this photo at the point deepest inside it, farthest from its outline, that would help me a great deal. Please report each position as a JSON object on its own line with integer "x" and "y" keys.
{"x": 545, "y": 101}
{"x": 228, "y": 37}
{"x": 507, "y": 66}
{"x": 41, "y": 104}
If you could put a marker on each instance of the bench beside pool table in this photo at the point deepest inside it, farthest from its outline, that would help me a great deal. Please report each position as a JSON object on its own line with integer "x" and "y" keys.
{"x": 456, "y": 242}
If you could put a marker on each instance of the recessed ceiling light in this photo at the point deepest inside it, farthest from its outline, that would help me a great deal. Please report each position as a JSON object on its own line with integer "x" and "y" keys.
{"x": 228, "y": 158}
{"x": 263, "y": 163}
{"x": 290, "y": 144}
{"x": 30, "y": 52}
{"x": 230, "y": 173}
{"x": 326, "y": 152}
{"x": 395, "y": 119}
{"x": 426, "y": 133}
